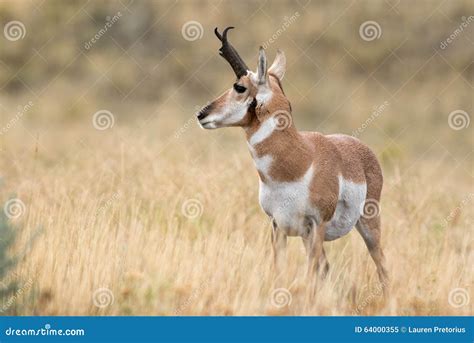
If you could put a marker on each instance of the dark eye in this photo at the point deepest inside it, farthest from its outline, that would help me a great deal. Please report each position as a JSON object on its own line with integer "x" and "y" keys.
{"x": 239, "y": 88}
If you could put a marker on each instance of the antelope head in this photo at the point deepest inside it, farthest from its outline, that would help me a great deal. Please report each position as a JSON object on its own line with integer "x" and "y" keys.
{"x": 254, "y": 96}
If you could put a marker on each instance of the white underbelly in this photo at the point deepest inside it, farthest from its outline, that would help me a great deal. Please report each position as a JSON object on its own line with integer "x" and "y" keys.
{"x": 348, "y": 210}
{"x": 288, "y": 203}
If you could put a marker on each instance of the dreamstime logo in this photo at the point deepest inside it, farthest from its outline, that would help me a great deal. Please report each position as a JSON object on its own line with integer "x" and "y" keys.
{"x": 458, "y": 120}
{"x": 282, "y": 120}
{"x": 460, "y": 29}
{"x": 108, "y": 203}
{"x": 456, "y": 211}
{"x": 287, "y": 21}
{"x": 103, "y": 120}
{"x": 195, "y": 294}
{"x": 378, "y": 110}
{"x": 192, "y": 208}
{"x": 192, "y": 30}
{"x": 370, "y": 208}
{"x": 22, "y": 110}
{"x": 377, "y": 291}
{"x": 103, "y": 297}
{"x": 14, "y": 208}
{"x": 281, "y": 297}
{"x": 4, "y": 286}
{"x": 458, "y": 297}
{"x": 110, "y": 21}
{"x": 370, "y": 30}
{"x": 180, "y": 131}
{"x": 14, "y": 30}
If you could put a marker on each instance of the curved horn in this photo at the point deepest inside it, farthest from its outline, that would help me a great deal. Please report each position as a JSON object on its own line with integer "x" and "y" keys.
{"x": 230, "y": 54}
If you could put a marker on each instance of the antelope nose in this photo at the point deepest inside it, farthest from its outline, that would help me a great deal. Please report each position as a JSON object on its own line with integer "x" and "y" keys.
{"x": 202, "y": 114}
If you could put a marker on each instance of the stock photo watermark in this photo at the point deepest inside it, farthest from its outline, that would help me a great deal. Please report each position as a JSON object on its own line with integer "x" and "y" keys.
{"x": 459, "y": 297}
{"x": 287, "y": 22}
{"x": 370, "y": 208}
{"x": 459, "y": 120}
{"x": 281, "y": 120}
{"x": 281, "y": 297}
{"x": 12, "y": 123}
{"x": 377, "y": 111}
{"x": 192, "y": 30}
{"x": 103, "y": 297}
{"x": 370, "y": 30}
{"x": 103, "y": 120}
{"x": 14, "y": 30}
{"x": 109, "y": 22}
{"x": 457, "y": 210}
{"x": 457, "y": 32}
{"x": 192, "y": 208}
{"x": 14, "y": 208}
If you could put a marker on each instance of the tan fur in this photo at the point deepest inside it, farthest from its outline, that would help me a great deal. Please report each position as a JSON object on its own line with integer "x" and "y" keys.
{"x": 293, "y": 153}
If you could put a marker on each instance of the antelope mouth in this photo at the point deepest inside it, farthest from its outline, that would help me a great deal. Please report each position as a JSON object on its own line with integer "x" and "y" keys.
{"x": 209, "y": 125}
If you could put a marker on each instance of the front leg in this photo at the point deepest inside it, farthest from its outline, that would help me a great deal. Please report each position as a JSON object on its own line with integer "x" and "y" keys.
{"x": 314, "y": 248}
{"x": 279, "y": 248}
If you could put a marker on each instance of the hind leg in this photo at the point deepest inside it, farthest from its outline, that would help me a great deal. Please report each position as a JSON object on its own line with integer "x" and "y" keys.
{"x": 369, "y": 229}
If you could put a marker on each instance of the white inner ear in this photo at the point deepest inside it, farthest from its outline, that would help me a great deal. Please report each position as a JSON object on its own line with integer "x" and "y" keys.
{"x": 264, "y": 93}
{"x": 262, "y": 67}
{"x": 278, "y": 66}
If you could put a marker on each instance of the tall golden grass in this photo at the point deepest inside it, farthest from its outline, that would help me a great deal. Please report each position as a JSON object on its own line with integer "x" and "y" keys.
{"x": 163, "y": 219}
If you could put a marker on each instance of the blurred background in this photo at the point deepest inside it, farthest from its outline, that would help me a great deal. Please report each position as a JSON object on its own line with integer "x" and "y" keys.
{"x": 100, "y": 148}
{"x": 155, "y": 59}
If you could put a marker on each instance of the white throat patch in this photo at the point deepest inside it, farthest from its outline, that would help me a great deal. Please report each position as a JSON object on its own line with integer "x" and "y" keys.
{"x": 264, "y": 131}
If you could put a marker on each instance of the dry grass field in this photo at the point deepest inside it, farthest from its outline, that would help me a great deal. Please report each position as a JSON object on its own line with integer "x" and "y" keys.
{"x": 174, "y": 227}
{"x": 154, "y": 216}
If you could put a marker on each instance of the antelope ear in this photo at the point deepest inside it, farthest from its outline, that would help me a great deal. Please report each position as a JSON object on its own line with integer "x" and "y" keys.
{"x": 262, "y": 67}
{"x": 278, "y": 67}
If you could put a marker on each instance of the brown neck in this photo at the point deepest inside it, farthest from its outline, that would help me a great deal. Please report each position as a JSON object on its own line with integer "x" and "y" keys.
{"x": 290, "y": 154}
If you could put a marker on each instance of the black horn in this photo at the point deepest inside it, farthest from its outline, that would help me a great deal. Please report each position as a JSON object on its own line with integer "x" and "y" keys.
{"x": 230, "y": 54}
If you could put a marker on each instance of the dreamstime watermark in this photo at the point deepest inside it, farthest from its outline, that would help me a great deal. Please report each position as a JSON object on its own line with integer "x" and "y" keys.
{"x": 377, "y": 111}
{"x": 370, "y": 208}
{"x": 456, "y": 211}
{"x": 370, "y": 30}
{"x": 181, "y": 130}
{"x": 14, "y": 208}
{"x": 281, "y": 119}
{"x": 103, "y": 120}
{"x": 195, "y": 294}
{"x": 103, "y": 297}
{"x": 22, "y": 110}
{"x": 458, "y": 297}
{"x": 281, "y": 297}
{"x": 375, "y": 293}
{"x": 8, "y": 303}
{"x": 46, "y": 331}
{"x": 108, "y": 203}
{"x": 192, "y": 30}
{"x": 14, "y": 30}
{"x": 110, "y": 21}
{"x": 458, "y": 120}
{"x": 460, "y": 29}
{"x": 192, "y": 208}
{"x": 287, "y": 22}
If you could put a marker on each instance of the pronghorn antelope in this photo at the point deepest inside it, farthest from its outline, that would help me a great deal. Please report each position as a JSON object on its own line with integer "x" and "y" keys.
{"x": 312, "y": 185}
